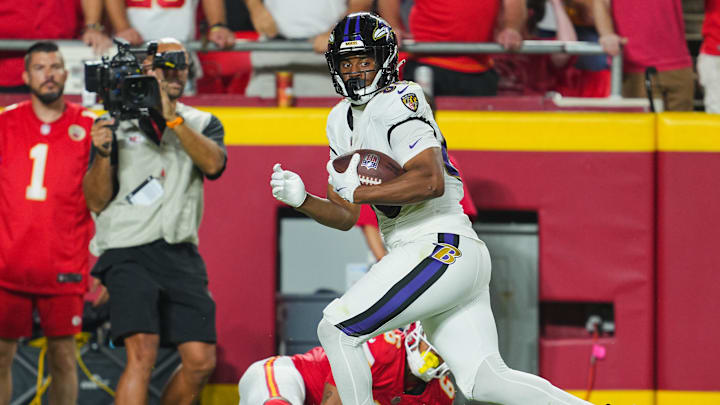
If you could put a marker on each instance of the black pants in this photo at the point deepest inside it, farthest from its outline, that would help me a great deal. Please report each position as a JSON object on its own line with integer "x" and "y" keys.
{"x": 451, "y": 83}
{"x": 158, "y": 288}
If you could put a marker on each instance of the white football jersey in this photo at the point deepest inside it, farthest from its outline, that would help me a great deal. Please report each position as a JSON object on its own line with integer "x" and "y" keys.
{"x": 399, "y": 122}
{"x": 157, "y": 19}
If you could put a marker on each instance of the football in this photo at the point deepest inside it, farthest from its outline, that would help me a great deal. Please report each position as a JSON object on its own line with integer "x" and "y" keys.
{"x": 373, "y": 168}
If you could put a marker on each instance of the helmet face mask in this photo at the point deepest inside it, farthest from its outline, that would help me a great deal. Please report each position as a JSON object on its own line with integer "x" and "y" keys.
{"x": 362, "y": 34}
{"x": 426, "y": 364}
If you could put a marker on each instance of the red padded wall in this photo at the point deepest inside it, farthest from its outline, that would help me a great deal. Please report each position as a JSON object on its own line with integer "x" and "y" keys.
{"x": 238, "y": 241}
{"x": 687, "y": 271}
{"x": 596, "y": 225}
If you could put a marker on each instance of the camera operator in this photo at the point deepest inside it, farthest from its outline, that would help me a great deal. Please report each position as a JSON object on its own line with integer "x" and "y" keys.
{"x": 145, "y": 187}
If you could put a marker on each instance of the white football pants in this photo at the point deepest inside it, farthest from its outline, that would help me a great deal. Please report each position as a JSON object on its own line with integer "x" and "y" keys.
{"x": 443, "y": 281}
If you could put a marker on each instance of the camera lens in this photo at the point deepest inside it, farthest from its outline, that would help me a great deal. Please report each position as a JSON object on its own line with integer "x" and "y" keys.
{"x": 140, "y": 91}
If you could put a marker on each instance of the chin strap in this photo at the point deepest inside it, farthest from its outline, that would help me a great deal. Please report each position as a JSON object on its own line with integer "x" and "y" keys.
{"x": 353, "y": 86}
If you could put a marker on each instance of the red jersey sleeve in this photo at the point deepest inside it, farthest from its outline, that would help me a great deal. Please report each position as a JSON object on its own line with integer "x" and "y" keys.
{"x": 367, "y": 216}
{"x": 467, "y": 202}
{"x": 314, "y": 368}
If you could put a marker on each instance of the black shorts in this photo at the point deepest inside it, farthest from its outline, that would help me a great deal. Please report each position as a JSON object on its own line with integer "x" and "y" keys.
{"x": 158, "y": 288}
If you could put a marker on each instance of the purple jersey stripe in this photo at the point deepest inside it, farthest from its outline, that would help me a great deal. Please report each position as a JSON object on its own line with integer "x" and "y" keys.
{"x": 380, "y": 316}
{"x": 448, "y": 166}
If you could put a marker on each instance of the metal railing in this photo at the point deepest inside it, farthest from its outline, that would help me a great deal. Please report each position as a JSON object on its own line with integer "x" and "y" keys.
{"x": 437, "y": 48}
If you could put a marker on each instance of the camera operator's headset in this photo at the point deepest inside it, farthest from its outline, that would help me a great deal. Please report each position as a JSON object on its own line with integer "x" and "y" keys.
{"x": 171, "y": 60}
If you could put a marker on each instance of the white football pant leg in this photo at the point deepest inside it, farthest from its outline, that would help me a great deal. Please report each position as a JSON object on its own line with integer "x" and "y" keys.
{"x": 348, "y": 363}
{"x": 466, "y": 338}
{"x": 270, "y": 378}
{"x": 405, "y": 286}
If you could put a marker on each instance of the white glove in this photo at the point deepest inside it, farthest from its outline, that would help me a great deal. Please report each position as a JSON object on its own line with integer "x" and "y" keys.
{"x": 345, "y": 183}
{"x": 287, "y": 186}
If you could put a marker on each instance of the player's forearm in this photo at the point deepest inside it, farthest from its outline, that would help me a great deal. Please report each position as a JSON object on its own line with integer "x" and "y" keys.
{"x": 329, "y": 213}
{"x": 214, "y": 12}
{"x": 513, "y": 14}
{"x": 603, "y": 17}
{"x": 390, "y": 11}
{"x": 330, "y": 395}
{"x": 205, "y": 153}
{"x": 92, "y": 11}
{"x": 565, "y": 32}
{"x": 253, "y": 5}
{"x": 410, "y": 188}
{"x": 117, "y": 14}
{"x": 424, "y": 179}
{"x": 565, "y": 28}
{"x": 98, "y": 184}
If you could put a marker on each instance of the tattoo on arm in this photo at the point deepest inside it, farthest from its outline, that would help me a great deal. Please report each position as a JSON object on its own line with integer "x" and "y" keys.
{"x": 330, "y": 395}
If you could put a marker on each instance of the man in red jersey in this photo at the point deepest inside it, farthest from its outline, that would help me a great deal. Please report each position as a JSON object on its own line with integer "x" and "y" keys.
{"x": 634, "y": 24}
{"x": 405, "y": 370}
{"x": 45, "y": 226}
{"x": 464, "y": 21}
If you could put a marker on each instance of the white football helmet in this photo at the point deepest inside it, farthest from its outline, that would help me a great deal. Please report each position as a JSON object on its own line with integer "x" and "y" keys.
{"x": 424, "y": 365}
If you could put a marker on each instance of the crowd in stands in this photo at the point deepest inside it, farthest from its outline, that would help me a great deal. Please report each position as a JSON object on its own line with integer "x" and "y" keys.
{"x": 620, "y": 26}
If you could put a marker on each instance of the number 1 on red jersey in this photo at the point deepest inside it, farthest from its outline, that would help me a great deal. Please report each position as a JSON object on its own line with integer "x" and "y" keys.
{"x": 36, "y": 191}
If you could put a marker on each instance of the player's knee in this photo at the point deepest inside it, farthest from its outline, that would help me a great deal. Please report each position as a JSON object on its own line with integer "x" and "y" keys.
{"x": 329, "y": 334}
{"x": 200, "y": 367}
{"x": 141, "y": 349}
{"x": 61, "y": 356}
{"x": 6, "y": 359}
{"x": 62, "y": 364}
{"x": 489, "y": 383}
{"x": 326, "y": 331}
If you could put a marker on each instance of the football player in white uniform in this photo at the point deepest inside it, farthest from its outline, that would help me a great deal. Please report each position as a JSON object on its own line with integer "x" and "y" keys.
{"x": 437, "y": 270}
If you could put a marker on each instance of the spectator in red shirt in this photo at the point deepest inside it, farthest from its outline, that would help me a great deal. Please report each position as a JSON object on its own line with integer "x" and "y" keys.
{"x": 45, "y": 226}
{"x": 653, "y": 35}
{"x": 463, "y": 21}
{"x": 62, "y": 19}
{"x": 708, "y": 62}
